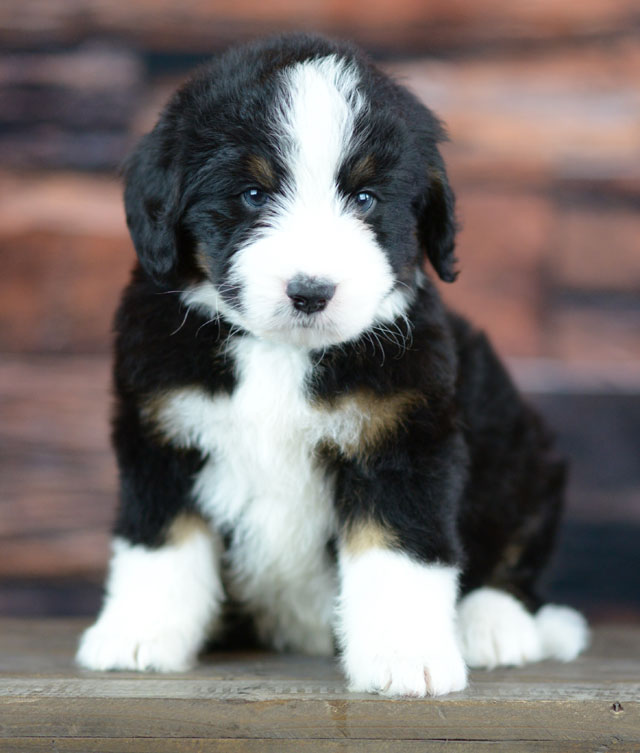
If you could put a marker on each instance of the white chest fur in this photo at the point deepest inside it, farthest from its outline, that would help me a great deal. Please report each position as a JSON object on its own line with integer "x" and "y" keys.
{"x": 261, "y": 482}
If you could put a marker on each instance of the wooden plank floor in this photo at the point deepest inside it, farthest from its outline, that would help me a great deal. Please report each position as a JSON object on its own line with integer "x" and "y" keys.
{"x": 267, "y": 702}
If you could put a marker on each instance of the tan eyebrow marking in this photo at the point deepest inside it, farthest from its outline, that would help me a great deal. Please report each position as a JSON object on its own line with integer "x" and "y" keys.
{"x": 261, "y": 170}
{"x": 363, "y": 171}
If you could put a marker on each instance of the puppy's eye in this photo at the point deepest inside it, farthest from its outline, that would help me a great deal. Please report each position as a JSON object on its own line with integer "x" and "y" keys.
{"x": 364, "y": 201}
{"x": 255, "y": 198}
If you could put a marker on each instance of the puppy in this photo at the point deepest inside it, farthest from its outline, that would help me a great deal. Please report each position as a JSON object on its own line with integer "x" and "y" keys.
{"x": 301, "y": 427}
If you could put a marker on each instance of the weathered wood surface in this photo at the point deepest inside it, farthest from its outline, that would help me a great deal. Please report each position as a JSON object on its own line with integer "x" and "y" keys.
{"x": 68, "y": 108}
{"x": 436, "y": 25}
{"x": 197, "y": 745}
{"x": 269, "y": 702}
{"x": 57, "y": 473}
{"x": 66, "y": 256}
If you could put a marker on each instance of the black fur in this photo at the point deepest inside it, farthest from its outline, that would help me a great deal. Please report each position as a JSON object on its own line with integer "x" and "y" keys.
{"x": 471, "y": 477}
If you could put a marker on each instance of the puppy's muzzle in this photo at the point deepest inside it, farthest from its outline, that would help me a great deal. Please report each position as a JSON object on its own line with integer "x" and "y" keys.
{"x": 310, "y": 294}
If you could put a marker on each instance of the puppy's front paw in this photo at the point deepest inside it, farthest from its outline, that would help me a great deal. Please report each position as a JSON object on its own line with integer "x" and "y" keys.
{"x": 397, "y": 625}
{"x": 105, "y": 647}
{"x": 439, "y": 671}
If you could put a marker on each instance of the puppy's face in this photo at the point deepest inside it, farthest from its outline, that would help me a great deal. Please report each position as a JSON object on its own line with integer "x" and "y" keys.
{"x": 297, "y": 189}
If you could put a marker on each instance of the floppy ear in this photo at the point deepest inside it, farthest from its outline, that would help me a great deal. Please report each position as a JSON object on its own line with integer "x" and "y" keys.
{"x": 437, "y": 223}
{"x": 150, "y": 198}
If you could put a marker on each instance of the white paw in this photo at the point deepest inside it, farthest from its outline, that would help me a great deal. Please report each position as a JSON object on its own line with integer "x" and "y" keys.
{"x": 105, "y": 647}
{"x": 440, "y": 671}
{"x": 563, "y": 631}
{"x": 159, "y": 605}
{"x": 496, "y": 630}
{"x": 396, "y": 625}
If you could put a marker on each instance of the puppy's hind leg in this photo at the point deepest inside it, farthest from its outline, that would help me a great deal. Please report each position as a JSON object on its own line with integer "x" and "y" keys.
{"x": 496, "y": 629}
{"x": 504, "y": 623}
{"x": 501, "y": 620}
{"x": 563, "y": 632}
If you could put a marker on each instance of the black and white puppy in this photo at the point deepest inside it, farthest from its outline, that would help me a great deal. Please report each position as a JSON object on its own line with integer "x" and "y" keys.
{"x": 301, "y": 427}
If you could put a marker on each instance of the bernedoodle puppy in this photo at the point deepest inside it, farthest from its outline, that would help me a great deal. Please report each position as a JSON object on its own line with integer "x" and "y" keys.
{"x": 302, "y": 429}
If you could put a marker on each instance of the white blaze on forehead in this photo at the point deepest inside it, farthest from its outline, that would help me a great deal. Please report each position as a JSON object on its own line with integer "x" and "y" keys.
{"x": 315, "y": 122}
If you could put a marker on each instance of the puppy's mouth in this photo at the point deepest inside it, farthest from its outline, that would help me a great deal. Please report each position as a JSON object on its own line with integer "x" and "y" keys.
{"x": 319, "y": 326}
{"x": 306, "y": 330}
{"x": 305, "y": 323}
{"x": 317, "y": 321}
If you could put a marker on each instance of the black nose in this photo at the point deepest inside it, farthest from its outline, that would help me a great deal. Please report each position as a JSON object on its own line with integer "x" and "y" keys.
{"x": 309, "y": 294}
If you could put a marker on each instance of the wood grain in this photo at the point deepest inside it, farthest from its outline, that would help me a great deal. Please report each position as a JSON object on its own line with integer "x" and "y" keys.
{"x": 258, "y": 701}
{"x": 184, "y": 745}
{"x": 57, "y": 473}
{"x": 195, "y": 25}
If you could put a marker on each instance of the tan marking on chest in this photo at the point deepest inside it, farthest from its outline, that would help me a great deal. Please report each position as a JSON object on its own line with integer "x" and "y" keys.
{"x": 184, "y": 527}
{"x": 352, "y": 426}
{"x": 152, "y": 409}
{"x": 364, "y": 420}
{"x": 360, "y": 536}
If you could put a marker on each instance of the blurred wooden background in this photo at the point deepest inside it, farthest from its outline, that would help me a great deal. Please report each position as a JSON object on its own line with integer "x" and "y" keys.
{"x": 542, "y": 102}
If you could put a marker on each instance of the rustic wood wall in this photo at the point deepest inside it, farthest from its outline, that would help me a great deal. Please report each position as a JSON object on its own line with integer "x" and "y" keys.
{"x": 542, "y": 102}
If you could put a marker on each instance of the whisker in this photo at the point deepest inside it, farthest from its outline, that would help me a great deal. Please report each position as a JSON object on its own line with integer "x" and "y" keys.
{"x": 175, "y": 331}
{"x": 233, "y": 330}
{"x": 372, "y": 333}
{"x": 390, "y": 335}
{"x": 204, "y": 324}
{"x": 323, "y": 352}
{"x": 409, "y": 331}
{"x": 369, "y": 339}
{"x": 405, "y": 336}
{"x": 225, "y": 287}
{"x": 170, "y": 292}
{"x": 402, "y": 339}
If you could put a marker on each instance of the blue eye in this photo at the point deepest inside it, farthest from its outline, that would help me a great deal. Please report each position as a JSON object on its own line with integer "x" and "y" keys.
{"x": 364, "y": 201}
{"x": 255, "y": 198}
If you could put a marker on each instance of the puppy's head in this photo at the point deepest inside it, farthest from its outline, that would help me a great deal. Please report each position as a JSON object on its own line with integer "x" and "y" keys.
{"x": 295, "y": 189}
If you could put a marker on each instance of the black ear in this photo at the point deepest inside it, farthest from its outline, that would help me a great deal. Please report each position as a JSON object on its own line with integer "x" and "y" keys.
{"x": 437, "y": 224}
{"x": 151, "y": 198}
